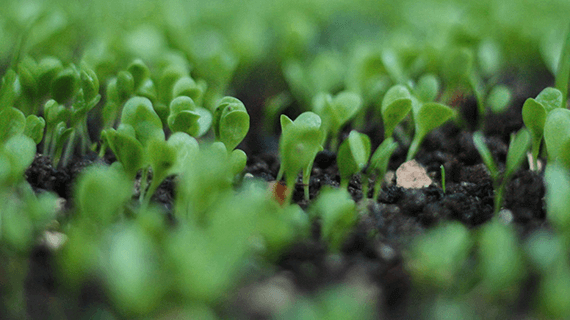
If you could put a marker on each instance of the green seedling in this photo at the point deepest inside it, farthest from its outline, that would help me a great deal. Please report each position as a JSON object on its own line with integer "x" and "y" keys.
{"x": 427, "y": 117}
{"x": 231, "y": 122}
{"x": 64, "y": 85}
{"x": 12, "y": 122}
{"x": 499, "y": 98}
{"x": 35, "y": 128}
{"x": 352, "y": 156}
{"x": 125, "y": 146}
{"x": 337, "y": 212}
{"x": 437, "y": 257}
{"x": 9, "y": 89}
{"x": 16, "y": 155}
{"x": 101, "y": 193}
{"x": 557, "y": 136}
{"x": 427, "y": 88}
{"x": 186, "y": 86}
{"x": 501, "y": 263}
{"x": 378, "y": 166}
{"x": 442, "y": 168}
{"x": 534, "y": 114}
{"x": 48, "y": 69}
{"x": 139, "y": 113}
{"x": 558, "y": 197}
{"x": 396, "y": 105}
{"x": 298, "y": 146}
{"x": 518, "y": 146}
{"x": 186, "y": 117}
{"x": 335, "y": 112}
{"x": 142, "y": 83}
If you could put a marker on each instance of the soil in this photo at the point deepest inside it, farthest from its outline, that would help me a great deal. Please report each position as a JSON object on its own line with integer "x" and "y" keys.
{"x": 375, "y": 250}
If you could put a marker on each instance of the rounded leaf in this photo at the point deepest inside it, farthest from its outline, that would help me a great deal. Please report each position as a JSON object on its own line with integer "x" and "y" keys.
{"x": 139, "y": 113}
{"x": 499, "y": 98}
{"x": 139, "y": 72}
{"x": 427, "y": 88}
{"x": 556, "y": 131}
{"x": 12, "y": 122}
{"x": 89, "y": 82}
{"x": 550, "y": 98}
{"x": 534, "y": 117}
{"x": 343, "y": 107}
{"x": 517, "y": 151}
{"x": 35, "y": 128}
{"x": 430, "y": 116}
{"x": 396, "y": 104}
{"x": 186, "y": 86}
{"x": 64, "y": 86}
{"x": 353, "y": 154}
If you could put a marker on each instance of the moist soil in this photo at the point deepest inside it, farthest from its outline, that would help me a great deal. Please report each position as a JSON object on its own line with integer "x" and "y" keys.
{"x": 374, "y": 251}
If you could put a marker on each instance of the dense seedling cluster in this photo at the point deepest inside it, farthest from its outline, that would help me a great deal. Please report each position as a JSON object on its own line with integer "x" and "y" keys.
{"x": 192, "y": 159}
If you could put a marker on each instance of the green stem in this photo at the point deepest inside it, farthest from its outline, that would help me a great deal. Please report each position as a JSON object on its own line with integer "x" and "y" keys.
{"x": 143, "y": 185}
{"x": 414, "y": 147}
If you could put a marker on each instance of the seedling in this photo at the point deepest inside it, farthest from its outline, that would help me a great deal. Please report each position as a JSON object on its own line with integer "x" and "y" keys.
{"x": 337, "y": 212}
{"x": 186, "y": 117}
{"x": 299, "y": 144}
{"x": 427, "y": 116}
{"x": 396, "y": 105}
{"x": 437, "y": 256}
{"x": 501, "y": 263}
{"x": 335, "y": 112}
{"x": 352, "y": 156}
{"x": 534, "y": 113}
{"x": 518, "y": 146}
{"x": 442, "y": 168}
{"x": 499, "y": 98}
{"x": 231, "y": 122}
{"x": 378, "y": 166}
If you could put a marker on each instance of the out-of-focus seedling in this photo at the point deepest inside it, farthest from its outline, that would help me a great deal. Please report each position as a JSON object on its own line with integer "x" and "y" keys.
{"x": 337, "y": 212}
{"x": 335, "y": 112}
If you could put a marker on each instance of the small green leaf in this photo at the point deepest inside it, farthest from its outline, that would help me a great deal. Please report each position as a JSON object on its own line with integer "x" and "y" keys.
{"x": 48, "y": 68}
{"x": 231, "y": 122}
{"x": 186, "y": 86}
{"x": 352, "y": 156}
{"x": 35, "y": 128}
{"x": 100, "y": 194}
{"x": 65, "y": 85}
{"x": 343, "y": 107}
{"x": 21, "y": 151}
{"x": 550, "y": 98}
{"x": 139, "y": 72}
{"x": 125, "y": 85}
{"x": 186, "y": 147}
{"x": 139, "y": 113}
{"x": 499, "y": 98}
{"x": 534, "y": 117}
{"x": 558, "y": 197}
{"x": 12, "y": 122}
{"x": 337, "y": 211}
{"x": 237, "y": 160}
{"x": 517, "y": 151}
{"x": 556, "y": 131}
{"x": 126, "y": 148}
{"x": 89, "y": 82}
{"x": 396, "y": 104}
{"x": 8, "y": 90}
{"x": 479, "y": 142}
{"x": 427, "y": 88}
{"x": 427, "y": 117}
{"x": 458, "y": 65}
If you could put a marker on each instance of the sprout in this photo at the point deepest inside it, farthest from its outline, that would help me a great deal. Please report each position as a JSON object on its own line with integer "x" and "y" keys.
{"x": 518, "y": 146}
{"x": 352, "y": 156}
{"x": 300, "y": 142}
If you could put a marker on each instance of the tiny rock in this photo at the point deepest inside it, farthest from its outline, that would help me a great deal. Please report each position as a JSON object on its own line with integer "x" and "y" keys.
{"x": 412, "y": 175}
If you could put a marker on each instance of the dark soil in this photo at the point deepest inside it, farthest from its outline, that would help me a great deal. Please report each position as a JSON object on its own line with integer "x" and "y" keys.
{"x": 376, "y": 247}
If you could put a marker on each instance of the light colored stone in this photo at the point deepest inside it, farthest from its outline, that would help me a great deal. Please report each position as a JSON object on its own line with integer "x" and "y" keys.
{"x": 412, "y": 175}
